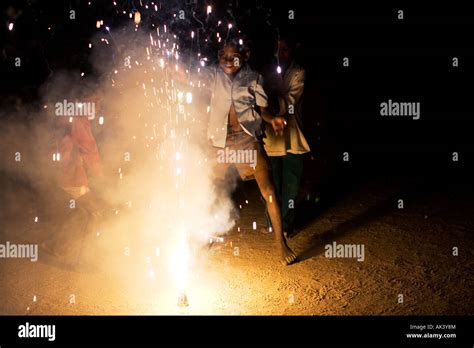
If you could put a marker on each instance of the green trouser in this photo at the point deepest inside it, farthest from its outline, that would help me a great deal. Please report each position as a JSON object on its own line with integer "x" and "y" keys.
{"x": 287, "y": 171}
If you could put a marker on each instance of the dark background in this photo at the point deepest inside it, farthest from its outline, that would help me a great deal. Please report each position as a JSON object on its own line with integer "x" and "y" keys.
{"x": 407, "y": 60}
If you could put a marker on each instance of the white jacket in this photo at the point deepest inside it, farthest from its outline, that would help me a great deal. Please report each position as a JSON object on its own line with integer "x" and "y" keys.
{"x": 245, "y": 90}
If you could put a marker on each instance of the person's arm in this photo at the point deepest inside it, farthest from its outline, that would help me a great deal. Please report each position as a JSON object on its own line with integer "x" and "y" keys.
{"x": 295, "y": 90}
{"x": 278, "y": 123}
{"x": 85, "y": 141}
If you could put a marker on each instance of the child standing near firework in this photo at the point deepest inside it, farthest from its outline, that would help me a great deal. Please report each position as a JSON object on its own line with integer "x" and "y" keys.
{"x": 238, "y": 105}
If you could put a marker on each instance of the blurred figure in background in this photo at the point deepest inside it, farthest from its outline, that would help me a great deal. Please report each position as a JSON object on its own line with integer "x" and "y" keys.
{"x": 284, "y": 85}
{"x": 79, "y": 168}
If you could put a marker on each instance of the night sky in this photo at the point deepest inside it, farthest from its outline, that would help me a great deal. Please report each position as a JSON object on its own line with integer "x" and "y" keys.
{"x": 409, "y": 59}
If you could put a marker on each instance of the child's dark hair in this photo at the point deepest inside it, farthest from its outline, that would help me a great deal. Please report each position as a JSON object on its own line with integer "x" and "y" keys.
{"x": 241, "y": 46}
{"x": 290, "y": 39}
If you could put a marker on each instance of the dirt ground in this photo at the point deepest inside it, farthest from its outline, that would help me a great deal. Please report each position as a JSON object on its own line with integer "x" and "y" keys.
{"x": 407, "y": 251}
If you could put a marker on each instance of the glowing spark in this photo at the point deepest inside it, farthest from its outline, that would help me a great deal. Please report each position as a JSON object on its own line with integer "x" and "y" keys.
{"x": 279, "y": 69}
{"x": 101, "y": 120}
{"x": 137, "y": 18}
{"x": 10, "y": 26}
{"x": 192, "y": 35}
{"x": 82, "y": 74}
{"x": 90, "y": 45}
{"x": 36, "y": 219}
{"x": 229, "y": 26}
{"x": 98, "y": 24}
{"x": 189, "y": 97}
{"x": 254, "y": 225}
{"x": 180, "y": 97}
{"x": 34, "y": 298}
{"x": 209, "y": 9}
{"x": 241, "y": 42}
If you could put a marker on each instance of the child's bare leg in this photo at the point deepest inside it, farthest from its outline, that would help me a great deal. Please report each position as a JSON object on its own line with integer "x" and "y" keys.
{"x": 267, "y": 189}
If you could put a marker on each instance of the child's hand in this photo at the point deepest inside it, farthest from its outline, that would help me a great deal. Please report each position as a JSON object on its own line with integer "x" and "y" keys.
{"x": 278, "y": 124}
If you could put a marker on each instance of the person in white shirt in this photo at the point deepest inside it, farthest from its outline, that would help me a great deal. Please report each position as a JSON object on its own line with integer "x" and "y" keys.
{"x": 238, "y": 106}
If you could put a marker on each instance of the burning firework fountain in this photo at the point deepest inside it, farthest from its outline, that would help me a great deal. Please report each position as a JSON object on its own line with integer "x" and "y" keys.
{"x": 168, "y": 122}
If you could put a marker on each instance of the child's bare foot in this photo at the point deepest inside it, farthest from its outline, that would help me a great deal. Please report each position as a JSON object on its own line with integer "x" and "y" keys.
{"x": 287, "y": 255}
